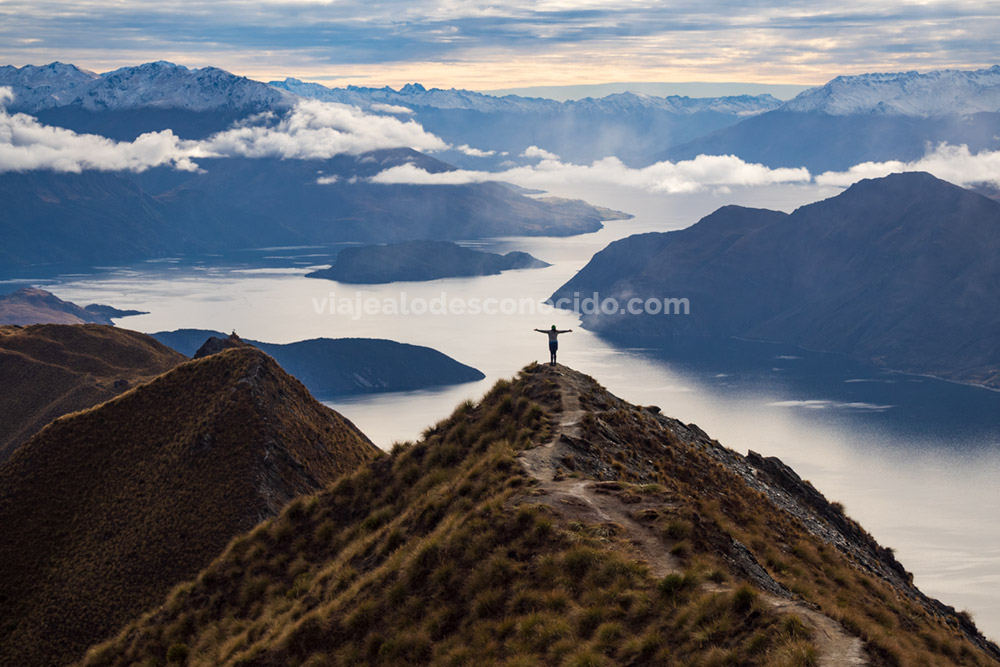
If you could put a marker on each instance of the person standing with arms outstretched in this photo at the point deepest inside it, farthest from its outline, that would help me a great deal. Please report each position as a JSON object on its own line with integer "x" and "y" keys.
{"x": 553, "y": 341}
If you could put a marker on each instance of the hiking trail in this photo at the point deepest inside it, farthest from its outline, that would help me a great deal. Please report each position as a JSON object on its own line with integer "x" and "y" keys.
{"x": 583, "y": 500}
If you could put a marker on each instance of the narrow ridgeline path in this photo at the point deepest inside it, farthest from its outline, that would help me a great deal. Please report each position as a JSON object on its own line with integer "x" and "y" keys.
{"x": 589, "y": 501}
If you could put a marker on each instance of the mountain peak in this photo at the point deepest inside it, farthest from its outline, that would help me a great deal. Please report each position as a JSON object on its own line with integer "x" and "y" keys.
{"x": 412, "y": 88}
{"x": 158, "y": 84}
{"x": 931, "y": 94}
{"x": 105, "y": 510}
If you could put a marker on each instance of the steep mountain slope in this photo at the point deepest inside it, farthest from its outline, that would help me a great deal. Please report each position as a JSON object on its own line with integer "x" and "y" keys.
{"x": 872, "y": 117}
{"x": 552, "y": 523}
{"x": 90, "y": 217}
{"x": 93, "y": 218}
{"x": 104, "y": 510}
{"x": 50, "y": 370}
{"x": 345, "y": 206}
{"x": 899, "y": 271}
{"x": 419, "y": 260}
{"x": 623, "y": 125}
{"x": 340, "y": 366}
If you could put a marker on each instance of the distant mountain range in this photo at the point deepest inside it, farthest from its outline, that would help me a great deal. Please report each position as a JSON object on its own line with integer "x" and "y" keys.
{"x": 234, "y": 203}
{"x": 420, "y": 260}
{"x": 872, "y": 117}
{"x": 851, "y": 119}
{"x": 341, "y": 366}
{"x": 899, "y": 271}
{"x": 104, "y": 511}
{"x": 623, "y": 125}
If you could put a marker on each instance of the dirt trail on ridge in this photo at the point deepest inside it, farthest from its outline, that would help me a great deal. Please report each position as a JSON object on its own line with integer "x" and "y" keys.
{"x": 582, "y": 499}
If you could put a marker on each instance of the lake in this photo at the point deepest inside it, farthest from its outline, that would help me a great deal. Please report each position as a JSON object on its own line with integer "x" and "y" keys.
{"x": 914, "y": 459}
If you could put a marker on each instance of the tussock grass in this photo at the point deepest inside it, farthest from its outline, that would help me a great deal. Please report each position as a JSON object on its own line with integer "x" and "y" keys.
{"x": 436, "y": 555}
{"x": 107, "y": 509}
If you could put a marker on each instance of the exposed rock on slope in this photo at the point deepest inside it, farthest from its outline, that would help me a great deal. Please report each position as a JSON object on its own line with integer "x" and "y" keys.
{"x": 900, "y": 271}
{"x": 103, "y": 511}
{"x": 555, "y": 523}
{"x": 48, "y": 370}
{"x": 420, "y": 260}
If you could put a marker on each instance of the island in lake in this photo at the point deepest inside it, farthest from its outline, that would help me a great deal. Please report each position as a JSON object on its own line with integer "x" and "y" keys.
{"x": 420, "y": 260}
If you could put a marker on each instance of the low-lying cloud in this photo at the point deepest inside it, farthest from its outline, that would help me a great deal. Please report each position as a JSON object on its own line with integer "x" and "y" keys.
{"x": 955, "y": 164}
{"x": 391, "y": 108}
{"x": 703, "y": 172}
{"x": 322, "y": 130}
{"x": 312, "y": 130}
{"x": 26, "y": 144}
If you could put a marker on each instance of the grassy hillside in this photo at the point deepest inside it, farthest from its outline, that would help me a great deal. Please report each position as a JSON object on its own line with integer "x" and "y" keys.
{"x": 550, "y": 523}
{"x": 104, "y": 510}
{"x": 58, "y": 369}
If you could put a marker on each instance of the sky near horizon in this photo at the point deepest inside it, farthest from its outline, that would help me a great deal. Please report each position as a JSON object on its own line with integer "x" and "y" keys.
{"x": 509, "y": 44}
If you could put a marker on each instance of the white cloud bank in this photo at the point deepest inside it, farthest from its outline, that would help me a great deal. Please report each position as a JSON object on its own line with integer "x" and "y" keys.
{"x": 312, "y": 130}
{"x": 26, "y": 144}
{"x": 705, "y": 171}
{"x": 955, "y": 164}
{"x": 391, "y": 108}
{"x": 321, "y": 130}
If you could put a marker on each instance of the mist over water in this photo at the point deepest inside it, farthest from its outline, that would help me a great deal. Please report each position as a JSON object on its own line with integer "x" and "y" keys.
{"x": 915, "y": 460}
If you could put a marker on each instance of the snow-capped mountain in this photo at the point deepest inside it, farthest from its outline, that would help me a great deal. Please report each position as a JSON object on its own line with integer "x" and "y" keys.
{"x": 938, "y": 93}
{"x": 39, "y": 87}
{"x": 158, "y": 85}
{"x": 866, "y": 118}
{"x": 416, "y": 95}
{"x": 623, "y": 125}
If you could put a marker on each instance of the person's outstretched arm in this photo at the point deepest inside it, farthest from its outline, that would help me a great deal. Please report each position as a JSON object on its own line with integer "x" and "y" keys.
{"x": 541, "y": 330}
{"x": 565, "y": 331}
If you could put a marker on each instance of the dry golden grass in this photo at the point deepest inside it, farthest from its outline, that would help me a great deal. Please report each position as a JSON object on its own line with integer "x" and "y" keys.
{"x": 704, "y": 506}
{"x": 104, "y": 510}
{"x": 437, "y": 555}
{"x": 49, "y": 370}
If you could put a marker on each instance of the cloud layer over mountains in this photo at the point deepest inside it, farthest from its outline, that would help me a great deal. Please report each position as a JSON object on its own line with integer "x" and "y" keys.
{"x": 311, "y": 130}
{"x": 320, "y": 130}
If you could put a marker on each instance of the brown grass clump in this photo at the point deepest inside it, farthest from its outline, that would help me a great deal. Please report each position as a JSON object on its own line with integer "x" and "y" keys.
{"x": 103, "y": 511}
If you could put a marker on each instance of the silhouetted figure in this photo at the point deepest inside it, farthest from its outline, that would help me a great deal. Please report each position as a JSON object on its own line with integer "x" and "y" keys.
{"x": 553, "y": 341}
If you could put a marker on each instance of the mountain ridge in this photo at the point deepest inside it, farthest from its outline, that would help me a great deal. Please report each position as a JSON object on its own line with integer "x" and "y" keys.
{"x": 60, "y": 369}
{"x": 894, "y": 271}
{"x": 104, "y": 510}
{"x": 644, "y": 542}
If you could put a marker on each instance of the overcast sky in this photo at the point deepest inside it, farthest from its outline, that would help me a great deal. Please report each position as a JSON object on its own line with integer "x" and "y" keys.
{"x": 508, "y": 44}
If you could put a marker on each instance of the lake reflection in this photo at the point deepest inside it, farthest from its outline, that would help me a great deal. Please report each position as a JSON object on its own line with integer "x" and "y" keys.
{"x": 913, "y": 459}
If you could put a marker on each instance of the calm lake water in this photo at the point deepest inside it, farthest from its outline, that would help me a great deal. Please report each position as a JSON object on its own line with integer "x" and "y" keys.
{"x": 915, "y": 460}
